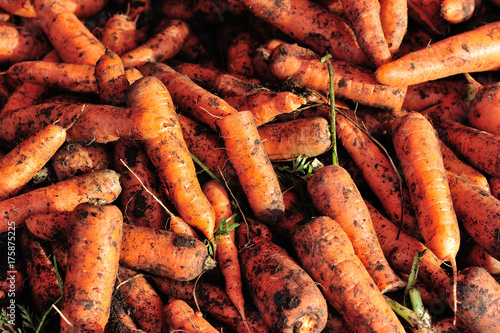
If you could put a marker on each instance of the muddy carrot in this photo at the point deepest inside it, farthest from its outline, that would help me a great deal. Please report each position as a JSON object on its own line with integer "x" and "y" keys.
{"x": 394, "y": 21}
{"x": 111, "y": 80}
{"x": 477, "y": 256}
{"x": 30, "y": 43}
{"x": 180, "y": 316}
{"x": 49, "y": 226}
{"x": 120, "y": 34}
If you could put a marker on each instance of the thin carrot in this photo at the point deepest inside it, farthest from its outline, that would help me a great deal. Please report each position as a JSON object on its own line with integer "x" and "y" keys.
{"x": 112, "y": 83}
{"x": 61, "y": 196}
{"x": 325, "y": 251}
{"x": 95, "y": 241}
{"x": 475, "y": 50}
{"x": 334, "y": 194}
{"x": 180, "y": 316}
{"x": 394, "y": 21}
{"x": 21, "y": 43}
{"x": 170, "y": 156}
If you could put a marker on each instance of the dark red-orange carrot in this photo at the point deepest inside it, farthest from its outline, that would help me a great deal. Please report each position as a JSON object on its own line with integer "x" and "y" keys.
{"x": 95, "y": 242}
{"x": 494, "y": 183}
{"x": 327, "y": 254}
{"x": 477, "y": 256}
{"x": 294, "y": 217}
{"x": 61, "y": 196}
{"x": 180, "y": 316}
{"x": 48, "y": 226}
{"x": 240, "y": 52}
{"x": 171, "y": 158}
{"x": 120, "y": 319}
{"x": 21, "y": 43}
{"x": 112, "y": 83}
{"x": 334, "y": 194}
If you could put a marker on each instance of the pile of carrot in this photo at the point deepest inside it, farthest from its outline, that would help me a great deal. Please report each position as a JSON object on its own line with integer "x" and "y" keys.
{"x": 250, "y": 166}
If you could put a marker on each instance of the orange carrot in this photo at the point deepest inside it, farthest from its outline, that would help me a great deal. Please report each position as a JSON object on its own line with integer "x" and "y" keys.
{"x": 240, "y": 52}
{"x": 61, "y": 196}
{"x": 334, "y": 194}
{"x": 21, "y": 43}
{"x": 457, "y": 11}
{"x": 95, "y": 241}
{"x": 51, "y": 226}
{"x": 201, "y": 12}
{"x": 19, "y": 166}
{"x": 180, "y": 316}
{"x": 449, "y": 325}
{"x": 325, "y": 251}
{"x": 67, "y": 33}
{"x": 253, "y": 167}
{"x": 477, "y": 256}
{"x": 462, "y": 53}
{"x": 119, "y": 318}
{"x": 179, "y": 226}
{"x": 112, "y": 83}
{"x": 23, "y": 8}
{"x": 164, "y": 253}
{"x": 494, "y": 183}
{"x": 170, "y": 156}
{"x": 484, "y": 114}
{"x": 394, "y": 21}
{"x": 120, "y": 34}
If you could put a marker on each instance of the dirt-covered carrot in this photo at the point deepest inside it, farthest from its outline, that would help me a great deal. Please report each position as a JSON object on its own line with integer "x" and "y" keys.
{"x": 462, "y": 53}
{"x": 484, "y": 111}
{"x": 240, "y": 53}
{"x": 201, "y": 12}
{"x": 449, "y": 325}
{"x": 61, "y": 196}
{"x": 334, "y": 194}
{"x": 120, "y": 319}
{"x": 170, "y": 156}
{"x": 112, "y": 83}
{"x": 253, "y": 167}
{"x": 21, "y": 43}
{"x": 164, "y": 253}
{"x": 179, "y": 226}
{"x": 180, "y": 316}
{"x": 160, "y": 47}
{"x": 49, "y": 226}
{"x": 311, "y": 24}
{"x": 23, "y": 8}
{"x": 477, "y": 256}
{"x": 457, "y": 11}
{"x": 19, "y": 166}
{"x": 325, "y": 251}
{"x": 120, "y": 34}
{"x": 394, "y": 21}
{"x": 494, "y": 183}
{"x": 352, "y": 82}
{"x": 67, "y": 33}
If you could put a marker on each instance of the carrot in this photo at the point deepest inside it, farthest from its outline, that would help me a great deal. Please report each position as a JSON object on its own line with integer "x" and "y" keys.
{"x": 95, "y": 241}
{"x": 23, "y": 8}
{"x": 325, "y": 251}
{"x": 60, "y": 250}
{"x": 179, "y": 226}
{"x": 312, "y": 25}
{"x": 284, "y": 293}
{"x": 180, "y": 316}
{"x": 61, "y": 196}
{"x": 483, "y": 113}
{"x": 394, "y": 22}
{"x": 448, "y": 325}
{"x": 352, "y": 82}
{"x": 334, "y": 194}
{"x": 40, "y": 271}
{"x": 477, "y": 256}
{"x": 494, "y": 183}
{"x": 119, "y": 318}
{"x": 461, "y": 53}
{"x": 333, "y": 5}
{"x": 84, "y": 9}
{"x": 21, "y": 43}
{"x": 457, "y": 11}
{"x": 19, "y": 166}
{"x": 427, "y": 14}
{"x": 142, "y": 298}
{"x": 201, "y": 12}
{"x": 120, "y": 34}
{"x": 112, "y": 83}
{"x": 294, "y": 217}
{"x": 253, "y": 167}
{"x": 164, "y": 253}
{"x": 67, "y": 33}
{"x": 477, "y": 147}
{"x": 160, "y": 47}
{"x": 48, "y": 226}
{"x": 171, "y": 158}
{"x": 478, "y": 300}
{"x": 138, "y": 206}
{"x": 240, "y": 53}
{"x": 74, "y": 159}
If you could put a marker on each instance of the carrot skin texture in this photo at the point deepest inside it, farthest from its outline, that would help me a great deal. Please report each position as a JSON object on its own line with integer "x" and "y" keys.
{"x": 457, "y": 11}
{"x": 325, "y": 251}
{"x": 61, "y": 196}
{"x": 164, "y": 253}
{"x": 334, "y": 194}
{"x": 394, "y": 21}
{"x": 49, "y": 226}
{"x": 112, "y": 83}
{"x": 96, "y": 234}
{"x": 180, "y": 316}
{"x": 478, "y": 257}
{"x": 462, "y": 53}
{"x": 120, "y": 34}
{"x": 253, "y": 167}
{"x": 21, "y": 43}
{"x": 484, "y": 111}
{"x": 19, "y": 166}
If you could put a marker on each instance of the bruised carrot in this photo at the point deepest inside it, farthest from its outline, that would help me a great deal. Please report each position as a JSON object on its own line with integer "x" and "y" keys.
{"x": 95, "y": 242}
{"x": 19, "y": 166}
{"x": 21, "y": 43}
{"x": 120, "y": 34}
{"x": 351, "y": 82}
{"x": 253, "y": 167}
{"x": 164, "y": 253}
{"x": 67, "y": 33}
{"x": 461, "y": 53}
{"x": 325, "y": 251}
{"x": 111, "y": 80}
{"x": 180, "y": 316}
{"x": 162, "y": 46}
{"x": 62, "y": 196}
{"x": 49, "y": 226}
{"x": 334, "y": 194}
{"x": 457, "y": 11}
{"x": 477, "y": 256}
{"x": 394, "y": 22}
{"x": 171, "y": 158}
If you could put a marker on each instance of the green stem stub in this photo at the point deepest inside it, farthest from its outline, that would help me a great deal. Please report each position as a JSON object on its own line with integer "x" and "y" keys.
{"x": 332, "y": 109}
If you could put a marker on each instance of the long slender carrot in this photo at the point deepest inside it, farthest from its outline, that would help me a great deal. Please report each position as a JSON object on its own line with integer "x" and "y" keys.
{"x": 334, "y": 194}
{"x": 325, "y": 251}
{"x": 475, "y": 50}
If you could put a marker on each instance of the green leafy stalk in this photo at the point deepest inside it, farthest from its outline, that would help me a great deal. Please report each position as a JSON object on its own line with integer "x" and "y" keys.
{"x": 207, "y": 170}
{"x": 225, "y": 226}
{"x": 412, "y": 278}
{"x": 407, "y": 314}
{"x": 332, "y": 110}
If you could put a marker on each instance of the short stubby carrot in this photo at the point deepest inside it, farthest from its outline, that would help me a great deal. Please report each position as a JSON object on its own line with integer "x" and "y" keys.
{"x": 327, "y": 254}
{"x": 334, "y": 194}
{"x": 253, "y": 167}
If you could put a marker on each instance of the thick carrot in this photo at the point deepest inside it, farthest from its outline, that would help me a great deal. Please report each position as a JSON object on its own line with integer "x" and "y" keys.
{"x": 112, "y": 83}
{"x": 160, "y": 47}
{"x": 286, "y": 296}
{"x": 325, "y": 251}
{"x": 21, "y": 43}
{"x": 495, "y": 186}
{"x": 180, "y": 316}
{"x": 253, "y": 167}
{"x": 49, "y": 226}
{"x": 23, "y": 8}
{"x": 164, "y": 253}
{"x": 352, "y": 82}
{"x": 120, "y": 34}
{"x": 312, "y": 25}
{"x": 475, "y": 50}
{"x": 61, "y": 196}
{"x": 334, "y": 194}
{"x": 394, "y": 21}
{"x": 67, "y": 33}
{"x": 95, "y": 242}
{"x": 477, "y": 256}
{"x": 171, "y": 158}
{"x": 479, "y": 148}
{"x": 457, "y": 11}
{"x": 19, "y": 166}
{"x": 484, "y": 111}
